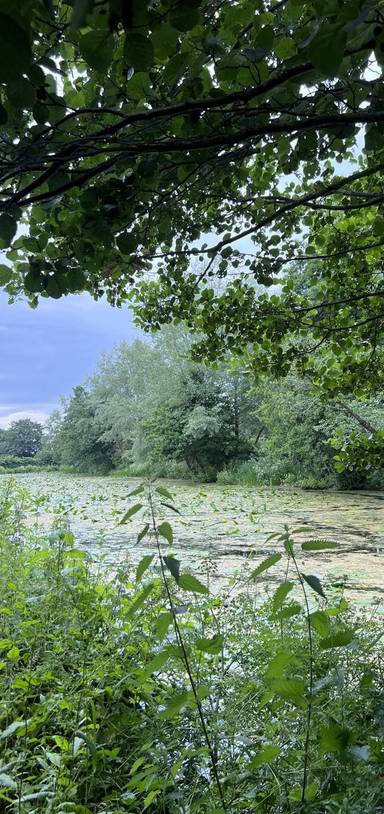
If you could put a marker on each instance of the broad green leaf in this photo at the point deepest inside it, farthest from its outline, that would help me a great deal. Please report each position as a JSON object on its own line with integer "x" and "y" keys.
{"x": 96, "y": 47}
{"x": 158, "y": 661}
{"x": 173, "y": 566}
{"x": 281, "y": 594}
{"x": 278, "y": 664}
{"x": 133, "y": 510}
{"x": 266, "y": 755}
{"x": 143, "y": 565}
{"x": 166, "y": 531}
{"x": 5, "y": 274}
{"x": 320, "y": 622}
{"x": 291, "y": 689}
{"x": 267, "y": 563}
{"x": 314, "y": 583}
{"x": 184, "y": 16}
{"x": 126, "y": 243}
{"x": 189, "y": 583}
{"x": 326, "y": 51}
{"x": 292, "y": 609}
{"x": 174, "y": 705}
{"x": 319, "y": 545}
{"x": 285, "y": 48}
{"x": 138, "y": 51}
{"x": 335, "y": 738}
{"x": 79, "y": 13}
{"x": 339, "y": 639}
{"x": 213, "y": 646}
{"x": 163, "y": 622}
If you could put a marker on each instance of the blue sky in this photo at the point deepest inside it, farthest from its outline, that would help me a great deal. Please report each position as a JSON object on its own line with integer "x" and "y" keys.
{"x": 46, "y": 351}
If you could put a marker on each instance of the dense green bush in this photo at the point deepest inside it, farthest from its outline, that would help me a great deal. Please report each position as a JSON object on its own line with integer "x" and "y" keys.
{"x": 142, "y": 692}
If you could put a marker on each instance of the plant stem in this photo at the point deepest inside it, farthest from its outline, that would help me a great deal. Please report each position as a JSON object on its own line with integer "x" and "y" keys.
{"x": 188, "y": 668}
{"x": 309, "y": 711}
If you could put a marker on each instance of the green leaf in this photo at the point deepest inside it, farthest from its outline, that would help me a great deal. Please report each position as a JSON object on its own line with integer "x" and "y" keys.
{"x": 335, "y": 738}
{"x": 161, "y": 490}
{"x": 326, "y": 51}
{"x": 339, "y": 639}
{"x": 267, "y": 563}
{"x": 320, "y": 623}
{"x": 289, "y": 610}
{"x": 184, "y": 16}
{"x": 138, "y": 51}
{"x": 279, "y": 663}
{"x": 266, "y": 755}
{"x": 3, "y": 115}
{"x": 190, "y": 583}
{"x": 158, "y": 660}
{"x": 281, "y": 594}
{"x": 79, "y": 13}
{"x": 291, "y": 689}
{"x": 15, "y": 49}
{"x": 143, "y": 565}
{"x": 8, "y": 226}
{"x": 213, "y": 646}
{"x": 96, "y": 48}
{"x": 126, "y": 243}
{"x": 76, "y": 280}
{"x": 137, "y": 491}
{"x": 166, "y": 531}
{"x": 314, "y": 583}
{"x": 140, "y": 599}
{"x": 142, "y": 533}
{"x": 173, "y": 566}
{"x": 174, "y": 705}
{"x": 5, "y": 274}
{"x": 133, "y": 510}
{"x": 163, "y": 622}
{"x": 285, "y": 48}
{"x": 319, "y": 545}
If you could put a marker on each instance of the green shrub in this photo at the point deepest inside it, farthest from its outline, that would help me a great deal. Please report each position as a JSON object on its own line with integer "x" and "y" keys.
{"x": 141, "y": 692}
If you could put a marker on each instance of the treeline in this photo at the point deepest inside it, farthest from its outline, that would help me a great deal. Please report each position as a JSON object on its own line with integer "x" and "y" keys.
{"x": 149, "y": 410}
{"x": 20, "y": 445}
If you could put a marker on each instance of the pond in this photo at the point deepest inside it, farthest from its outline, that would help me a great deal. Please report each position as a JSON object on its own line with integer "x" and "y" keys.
{"x": 222, "y": 531}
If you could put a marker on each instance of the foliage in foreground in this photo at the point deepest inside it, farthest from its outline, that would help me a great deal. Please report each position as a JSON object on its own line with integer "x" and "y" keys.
{"x": 146, "y": 693}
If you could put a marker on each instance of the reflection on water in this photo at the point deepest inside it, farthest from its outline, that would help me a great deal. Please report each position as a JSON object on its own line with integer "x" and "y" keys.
{"x": 222, "y": 530}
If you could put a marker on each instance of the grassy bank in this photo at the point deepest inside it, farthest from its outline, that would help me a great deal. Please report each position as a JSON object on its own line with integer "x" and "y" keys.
{"x": 131, "y": 692}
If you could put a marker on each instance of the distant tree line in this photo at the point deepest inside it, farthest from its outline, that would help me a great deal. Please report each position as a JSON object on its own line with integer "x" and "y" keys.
{"x": 148, "y": 409}
{"x": 20, "y": 443}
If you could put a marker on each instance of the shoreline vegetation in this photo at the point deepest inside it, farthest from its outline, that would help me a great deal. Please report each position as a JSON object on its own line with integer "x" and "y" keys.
{"x": 148, "y": 410}
{"x": 140, "y": 691}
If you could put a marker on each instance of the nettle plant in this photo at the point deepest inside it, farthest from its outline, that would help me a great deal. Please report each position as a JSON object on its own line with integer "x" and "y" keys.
{"x": 147, "y": 692}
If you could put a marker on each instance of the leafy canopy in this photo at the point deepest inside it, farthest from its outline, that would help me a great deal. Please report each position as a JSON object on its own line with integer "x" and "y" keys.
{"x": 137, "y": 137}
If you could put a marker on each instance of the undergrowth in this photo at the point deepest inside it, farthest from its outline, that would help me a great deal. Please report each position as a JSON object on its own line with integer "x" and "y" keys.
{"x": 132, "y": 692}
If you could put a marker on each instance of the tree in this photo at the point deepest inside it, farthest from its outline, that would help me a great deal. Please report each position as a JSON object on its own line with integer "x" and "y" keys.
{"x": 23, "y": 438}
{"x": 77, "y": 441}
{"x": 142, "y": 135}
